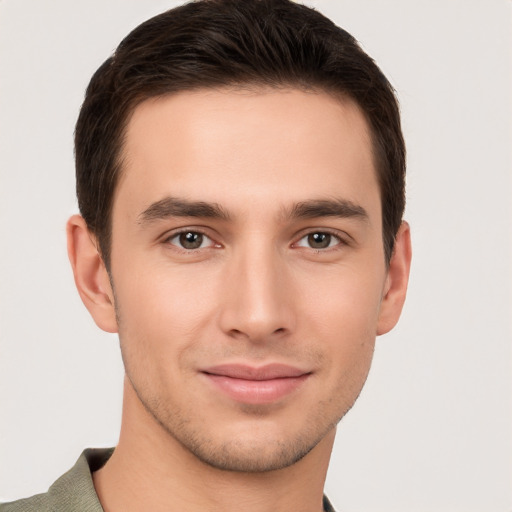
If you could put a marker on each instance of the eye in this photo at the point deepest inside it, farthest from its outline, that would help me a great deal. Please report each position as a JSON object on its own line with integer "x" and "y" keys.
{"x": 191, "y": 240}
{"x": 319, "y": 240}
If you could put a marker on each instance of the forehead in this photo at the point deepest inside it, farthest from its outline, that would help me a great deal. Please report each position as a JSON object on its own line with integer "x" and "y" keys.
{"x": 246, "y": 147}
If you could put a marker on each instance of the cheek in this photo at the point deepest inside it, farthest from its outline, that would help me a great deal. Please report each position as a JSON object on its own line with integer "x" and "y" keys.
{"x": 162, "y": 310}
{"x": 343, "y": 318}
{"x": 344, "y": 302}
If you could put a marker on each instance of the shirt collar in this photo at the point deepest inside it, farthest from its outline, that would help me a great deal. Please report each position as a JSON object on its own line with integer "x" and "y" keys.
{"x": 75, "y": 489}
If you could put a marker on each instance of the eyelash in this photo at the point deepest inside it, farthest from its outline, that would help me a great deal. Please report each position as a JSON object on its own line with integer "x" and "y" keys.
{"x": 340, "y": 241}
{"x": 177, "y": 234}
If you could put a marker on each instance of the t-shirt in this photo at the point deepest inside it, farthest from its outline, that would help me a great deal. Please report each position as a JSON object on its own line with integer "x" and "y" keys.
{"x": 74, "y": 491}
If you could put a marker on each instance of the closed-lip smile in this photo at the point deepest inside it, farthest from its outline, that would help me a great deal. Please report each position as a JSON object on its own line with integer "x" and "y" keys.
{"x": 256, "y": 385}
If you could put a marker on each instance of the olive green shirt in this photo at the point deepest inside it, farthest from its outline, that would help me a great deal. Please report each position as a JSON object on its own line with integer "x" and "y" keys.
{"x": 74, "y": 491}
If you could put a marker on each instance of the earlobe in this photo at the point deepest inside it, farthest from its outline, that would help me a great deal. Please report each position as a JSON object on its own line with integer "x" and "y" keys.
{"x": 91, "y": 276}
{"x": 397, "y": 280}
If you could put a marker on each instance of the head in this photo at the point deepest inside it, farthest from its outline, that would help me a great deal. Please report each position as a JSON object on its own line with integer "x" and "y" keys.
{"x": 240, "y": 173}
{"x": 218, "y": 43}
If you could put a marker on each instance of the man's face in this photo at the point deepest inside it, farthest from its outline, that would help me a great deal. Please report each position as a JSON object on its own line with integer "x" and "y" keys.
{"x": 248, "y": 269}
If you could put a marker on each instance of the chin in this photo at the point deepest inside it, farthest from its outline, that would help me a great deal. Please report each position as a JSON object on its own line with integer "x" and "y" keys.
{"x": 250, "y": 456}
{"x": 255, "y": 446}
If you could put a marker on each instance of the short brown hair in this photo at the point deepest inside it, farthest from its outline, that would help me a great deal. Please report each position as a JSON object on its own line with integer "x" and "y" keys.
{"x": 212, "y": 43}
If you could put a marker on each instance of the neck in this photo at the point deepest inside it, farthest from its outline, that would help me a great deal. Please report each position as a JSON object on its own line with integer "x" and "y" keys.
{"x": 151, "y": 470}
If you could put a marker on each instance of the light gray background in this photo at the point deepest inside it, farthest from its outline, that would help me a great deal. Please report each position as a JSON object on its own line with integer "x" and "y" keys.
{"x": 432, "y": 430}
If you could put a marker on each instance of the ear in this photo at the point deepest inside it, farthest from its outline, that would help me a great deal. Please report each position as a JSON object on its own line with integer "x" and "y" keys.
{"x": 91, "y": 276}
{"x": 397, "y": 279}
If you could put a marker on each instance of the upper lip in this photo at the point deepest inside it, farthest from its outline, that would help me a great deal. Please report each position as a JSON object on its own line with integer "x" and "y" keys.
{"x": 247, "y": 372}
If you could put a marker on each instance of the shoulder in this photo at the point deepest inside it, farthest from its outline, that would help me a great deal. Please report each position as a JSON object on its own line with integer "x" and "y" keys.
{"x": 73, "y": 491}
{"x": 38, "y": 503}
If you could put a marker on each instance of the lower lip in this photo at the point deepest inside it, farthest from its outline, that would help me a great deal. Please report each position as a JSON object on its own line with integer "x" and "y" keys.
{"x": 256, "y": 391}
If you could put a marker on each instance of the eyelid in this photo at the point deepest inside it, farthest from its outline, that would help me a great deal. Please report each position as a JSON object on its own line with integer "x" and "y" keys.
{"x": 342, "y": 238}
{"x": 169, "y": 235}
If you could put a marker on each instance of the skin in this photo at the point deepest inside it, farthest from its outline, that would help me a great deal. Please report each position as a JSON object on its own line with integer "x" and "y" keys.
{"x": 259, "y": 289}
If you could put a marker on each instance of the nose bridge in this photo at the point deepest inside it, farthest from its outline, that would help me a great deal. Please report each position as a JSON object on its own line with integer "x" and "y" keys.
{"x": 258, "y": 301}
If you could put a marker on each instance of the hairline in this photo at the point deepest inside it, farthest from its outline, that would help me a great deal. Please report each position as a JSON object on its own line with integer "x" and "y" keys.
{"x": 253, "y": 86}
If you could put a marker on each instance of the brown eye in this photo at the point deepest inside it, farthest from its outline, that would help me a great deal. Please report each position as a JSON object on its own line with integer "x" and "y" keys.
{"x": 190, "y": 240}
{"x": 319, "y": 240}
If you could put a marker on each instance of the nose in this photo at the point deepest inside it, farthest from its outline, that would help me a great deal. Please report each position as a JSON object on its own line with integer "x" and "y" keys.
{"x": 257, "y": 303}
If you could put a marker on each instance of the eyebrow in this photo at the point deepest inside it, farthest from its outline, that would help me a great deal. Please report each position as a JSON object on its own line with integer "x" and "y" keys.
{"x": 176, "y": 207}
{"x": 342, "y": 208}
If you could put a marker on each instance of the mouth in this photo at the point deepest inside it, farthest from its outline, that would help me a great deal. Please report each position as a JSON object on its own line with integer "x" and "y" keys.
{"x": 256, "y": 385}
